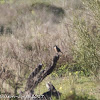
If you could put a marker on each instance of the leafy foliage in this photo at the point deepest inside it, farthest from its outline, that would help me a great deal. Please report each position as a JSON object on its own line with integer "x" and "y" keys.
{"x": 86, "y": 52}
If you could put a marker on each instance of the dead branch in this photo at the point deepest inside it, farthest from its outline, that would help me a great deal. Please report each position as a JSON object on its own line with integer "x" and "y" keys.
{"x": 37, "y": 76}
{"x": 51, "y": 92}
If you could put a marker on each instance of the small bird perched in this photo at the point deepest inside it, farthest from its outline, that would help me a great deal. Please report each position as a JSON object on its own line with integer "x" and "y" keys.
{"x": 57, "y": 50}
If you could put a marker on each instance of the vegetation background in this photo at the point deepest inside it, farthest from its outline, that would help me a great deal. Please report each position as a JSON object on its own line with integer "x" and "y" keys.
{"x": 28, "y": 31}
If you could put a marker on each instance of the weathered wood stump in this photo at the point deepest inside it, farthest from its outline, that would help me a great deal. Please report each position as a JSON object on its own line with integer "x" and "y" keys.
{"x": 36, "y": 77}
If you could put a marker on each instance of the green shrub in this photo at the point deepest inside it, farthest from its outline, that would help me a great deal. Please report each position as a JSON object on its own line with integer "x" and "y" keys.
{"x": 61, "y": 71}
{"x": 86, "y": 52}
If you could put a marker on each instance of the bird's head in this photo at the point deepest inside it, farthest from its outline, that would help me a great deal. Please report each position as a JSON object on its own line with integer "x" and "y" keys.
{"x": 55, "y": 46}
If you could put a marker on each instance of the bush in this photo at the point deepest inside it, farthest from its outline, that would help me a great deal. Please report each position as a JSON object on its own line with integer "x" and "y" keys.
{"x": 86, "y": 52}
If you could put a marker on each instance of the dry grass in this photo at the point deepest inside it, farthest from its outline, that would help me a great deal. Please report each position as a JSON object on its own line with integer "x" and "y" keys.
{"x": 66, "y": 85}
{"x": 33, "y": 36}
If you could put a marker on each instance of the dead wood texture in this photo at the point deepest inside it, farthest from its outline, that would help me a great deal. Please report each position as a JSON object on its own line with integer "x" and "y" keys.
{"x": 37, "y": 76}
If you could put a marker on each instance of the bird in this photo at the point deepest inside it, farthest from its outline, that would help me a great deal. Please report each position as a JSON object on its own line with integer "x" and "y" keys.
{"x": 57, "y": 49}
